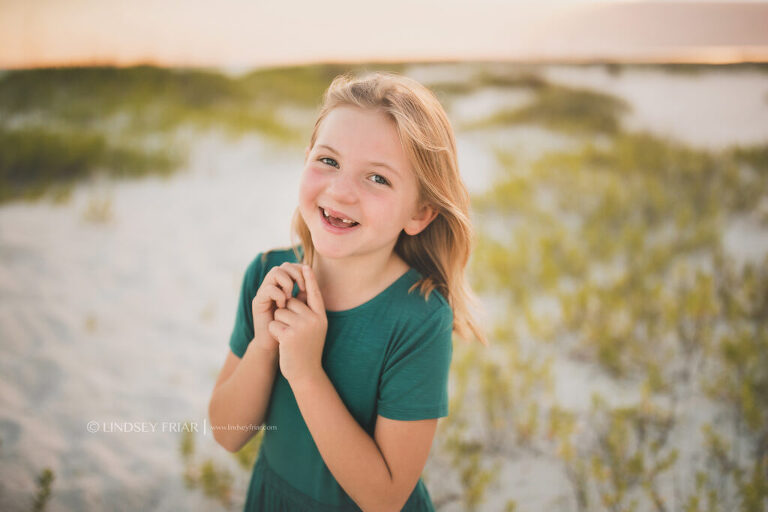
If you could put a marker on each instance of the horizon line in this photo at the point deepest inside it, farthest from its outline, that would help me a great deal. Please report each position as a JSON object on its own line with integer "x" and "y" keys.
{"x": 715, "y": 56}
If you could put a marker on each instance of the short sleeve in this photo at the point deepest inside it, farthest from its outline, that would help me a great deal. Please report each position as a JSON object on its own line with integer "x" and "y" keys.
{"x": 242, "y": 332}
{"x": 414, "y": 380}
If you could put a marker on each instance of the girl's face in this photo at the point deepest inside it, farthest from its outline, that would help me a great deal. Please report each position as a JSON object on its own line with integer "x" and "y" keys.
{"x": 357, "y": 171}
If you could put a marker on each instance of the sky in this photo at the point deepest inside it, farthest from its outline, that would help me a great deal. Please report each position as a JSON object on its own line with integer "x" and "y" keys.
{"x": 249, "y": 33}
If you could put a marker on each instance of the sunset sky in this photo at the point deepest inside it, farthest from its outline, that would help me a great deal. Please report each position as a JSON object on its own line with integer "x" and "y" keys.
{"x": 247, "y": 33}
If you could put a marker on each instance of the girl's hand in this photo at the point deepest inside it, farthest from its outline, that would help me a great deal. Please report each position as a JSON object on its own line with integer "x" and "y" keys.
{"x": 274, "y": 292}
{"x": 300, "y": 330}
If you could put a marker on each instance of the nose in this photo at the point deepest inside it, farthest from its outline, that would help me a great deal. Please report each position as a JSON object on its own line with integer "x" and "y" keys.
{"x": 342, "y": 188}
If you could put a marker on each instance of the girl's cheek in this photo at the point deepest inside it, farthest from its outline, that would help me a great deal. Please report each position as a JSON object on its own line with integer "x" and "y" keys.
{"x": 311, "y": 183}
{"x": 312, "y": 175}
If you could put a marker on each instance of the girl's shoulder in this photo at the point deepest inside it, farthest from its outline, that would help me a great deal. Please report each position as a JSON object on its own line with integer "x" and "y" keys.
{"x": 278, "y": 256}
{"x": 265, "y": 260}
{"x": 420, "y": 306}
{"x": 418, "y": 318}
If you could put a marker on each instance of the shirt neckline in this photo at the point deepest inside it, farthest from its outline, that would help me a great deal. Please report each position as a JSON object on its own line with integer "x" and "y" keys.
{"x": 373, "y": 300}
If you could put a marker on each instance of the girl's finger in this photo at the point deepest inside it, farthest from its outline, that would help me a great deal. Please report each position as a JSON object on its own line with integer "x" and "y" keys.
{"x": 273, "y": 293}
{"x": 297, "y": 305}
{"x": 284, "y": 281}
{"x": 277, "y": 295}
{"x": 294, "y": 269}
{"x": 286, "y": 316}
{"x": 276, "y": 329}
{"x": 314, "y": 297}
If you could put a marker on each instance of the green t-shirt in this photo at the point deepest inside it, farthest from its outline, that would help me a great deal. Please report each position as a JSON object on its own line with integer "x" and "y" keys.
{"x": 387, "y": 356}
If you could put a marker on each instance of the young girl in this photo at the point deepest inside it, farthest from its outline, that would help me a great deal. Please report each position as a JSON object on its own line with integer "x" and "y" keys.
{"x": 342, "y": 344}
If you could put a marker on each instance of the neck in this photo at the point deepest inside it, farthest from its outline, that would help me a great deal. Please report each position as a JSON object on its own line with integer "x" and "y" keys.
{"x": 351, "y": 281}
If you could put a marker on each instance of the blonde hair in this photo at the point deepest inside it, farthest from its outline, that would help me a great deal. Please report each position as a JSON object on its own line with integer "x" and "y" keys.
{"x": 440, "y": 252}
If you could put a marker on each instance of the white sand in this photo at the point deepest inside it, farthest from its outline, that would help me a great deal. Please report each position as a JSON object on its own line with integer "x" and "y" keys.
{"x": 160, "y": 281}
{"x": 710, "y": 110}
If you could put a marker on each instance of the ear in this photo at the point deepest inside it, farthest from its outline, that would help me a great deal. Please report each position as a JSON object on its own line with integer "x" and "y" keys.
{"x": 424, "y": 215}
{"x": 306, "y": 154}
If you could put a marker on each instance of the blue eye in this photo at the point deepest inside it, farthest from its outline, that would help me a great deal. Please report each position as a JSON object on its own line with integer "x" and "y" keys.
{"x": 334, "y": 164}
{"x": 383, "y": 179}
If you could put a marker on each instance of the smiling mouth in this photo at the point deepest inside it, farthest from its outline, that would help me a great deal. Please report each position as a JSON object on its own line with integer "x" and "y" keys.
{"x": 337, "y": 222}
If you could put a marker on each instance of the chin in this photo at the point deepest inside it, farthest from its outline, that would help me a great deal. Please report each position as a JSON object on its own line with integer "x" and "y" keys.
{"x": 327, "y": 248}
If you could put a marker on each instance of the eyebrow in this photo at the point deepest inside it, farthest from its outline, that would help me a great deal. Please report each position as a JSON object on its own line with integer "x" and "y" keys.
{"x": 379, "y": 164}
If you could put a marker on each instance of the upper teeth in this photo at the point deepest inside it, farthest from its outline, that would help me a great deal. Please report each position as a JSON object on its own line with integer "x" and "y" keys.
{"x": 325, "y": 212}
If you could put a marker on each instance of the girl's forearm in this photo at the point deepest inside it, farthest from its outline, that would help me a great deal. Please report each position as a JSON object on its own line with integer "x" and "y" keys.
{"x": 351, "y": 455}
{"x": 239, "y": 403}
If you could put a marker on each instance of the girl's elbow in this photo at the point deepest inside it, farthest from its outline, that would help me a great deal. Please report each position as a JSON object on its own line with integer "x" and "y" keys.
{"x": 396, "y": 505}
{"x": 388, "y": 501}
{"x": 222, "y": 438}
{"x": 230, "y": 447}
{"x": 226, "y": 440}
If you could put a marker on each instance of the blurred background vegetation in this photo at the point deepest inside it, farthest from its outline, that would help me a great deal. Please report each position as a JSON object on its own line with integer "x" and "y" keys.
{"x": 604, "y": 261}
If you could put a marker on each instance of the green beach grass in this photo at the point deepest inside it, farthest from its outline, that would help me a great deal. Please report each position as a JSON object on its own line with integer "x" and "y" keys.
{"x": 59, "y": 126}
